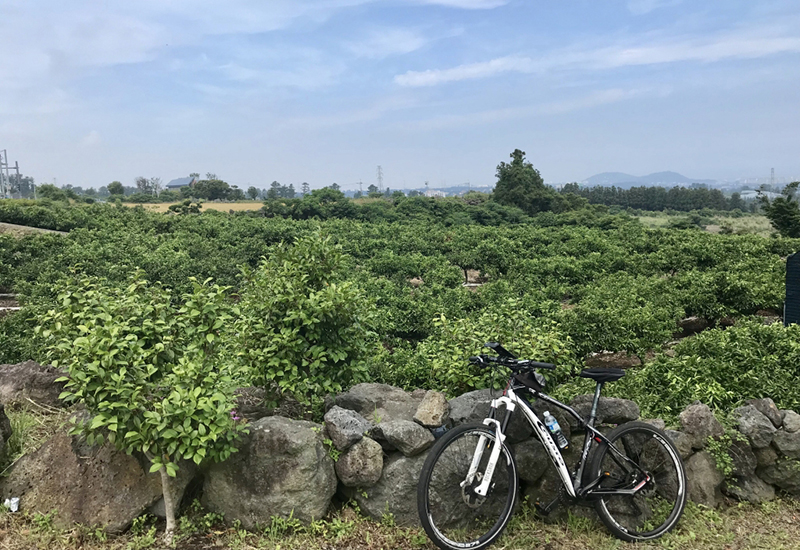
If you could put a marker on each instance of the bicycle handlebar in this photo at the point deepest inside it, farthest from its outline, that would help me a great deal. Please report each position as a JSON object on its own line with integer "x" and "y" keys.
{"x": 513, "y": 364}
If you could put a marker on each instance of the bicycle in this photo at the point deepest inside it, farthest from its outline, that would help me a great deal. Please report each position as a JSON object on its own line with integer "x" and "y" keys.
{"x": 635, "y": 478}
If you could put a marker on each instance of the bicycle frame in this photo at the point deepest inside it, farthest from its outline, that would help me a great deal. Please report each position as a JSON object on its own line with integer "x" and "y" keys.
{"x": 572, "y": 484}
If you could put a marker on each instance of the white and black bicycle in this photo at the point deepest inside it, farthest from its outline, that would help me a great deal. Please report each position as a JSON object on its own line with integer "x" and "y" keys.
{"x": 468, "y": 487}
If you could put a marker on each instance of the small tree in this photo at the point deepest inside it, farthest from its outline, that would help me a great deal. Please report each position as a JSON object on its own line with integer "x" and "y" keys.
{"x": 150, "y": 371}
{"x": 520, "y": 184}
{"x": 783, "y": 212}
{"x": 116, "y": 188}
{"x": 252, "y": 192}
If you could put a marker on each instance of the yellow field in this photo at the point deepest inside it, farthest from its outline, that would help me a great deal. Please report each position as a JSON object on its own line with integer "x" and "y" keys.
{"x": 221, "y": 206}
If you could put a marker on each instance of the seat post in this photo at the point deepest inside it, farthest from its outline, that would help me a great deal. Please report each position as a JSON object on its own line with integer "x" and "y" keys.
{"x": 595, "y": 402}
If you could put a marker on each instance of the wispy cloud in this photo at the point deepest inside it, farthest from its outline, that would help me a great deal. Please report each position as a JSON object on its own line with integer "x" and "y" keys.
{"x": 743, "y": 45}
{"x": 641, "y": 7}
{"x": 467, "y": 71}
{"x": 384, "y": 42}
{"x": 469, "y": 4}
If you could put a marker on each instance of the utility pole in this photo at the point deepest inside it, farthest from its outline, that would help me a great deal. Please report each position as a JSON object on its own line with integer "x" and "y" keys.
{"x": 772, "y": 179}
{"x": 380, "y": 178}
{"x": 4, "y": 181}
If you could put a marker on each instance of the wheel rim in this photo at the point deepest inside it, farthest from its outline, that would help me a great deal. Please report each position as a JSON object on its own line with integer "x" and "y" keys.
{"x": 656, "y": 507}
{"x": 457, "y": 515}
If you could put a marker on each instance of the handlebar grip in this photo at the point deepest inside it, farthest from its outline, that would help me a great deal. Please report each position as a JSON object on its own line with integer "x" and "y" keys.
{"x": 475, "y": 359}
{"x": 538, "y": 365}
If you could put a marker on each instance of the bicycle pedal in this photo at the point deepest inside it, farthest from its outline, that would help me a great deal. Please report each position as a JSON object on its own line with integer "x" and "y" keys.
{"x": 545, "y": 509}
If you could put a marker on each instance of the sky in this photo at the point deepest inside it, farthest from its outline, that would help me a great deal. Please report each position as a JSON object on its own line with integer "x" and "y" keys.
{"x": 324, "y": 91}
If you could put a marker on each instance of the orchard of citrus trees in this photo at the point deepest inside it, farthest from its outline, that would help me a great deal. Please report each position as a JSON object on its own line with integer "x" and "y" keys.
{"x": 328, "y": 292}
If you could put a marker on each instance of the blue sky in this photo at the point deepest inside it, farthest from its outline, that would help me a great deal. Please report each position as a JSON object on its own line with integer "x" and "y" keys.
{"x": 440, "y": 90}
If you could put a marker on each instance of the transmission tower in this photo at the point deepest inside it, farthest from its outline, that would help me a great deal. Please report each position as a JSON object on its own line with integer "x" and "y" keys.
{"x": 380, "y": 178}
{"x": 772, "y": 179}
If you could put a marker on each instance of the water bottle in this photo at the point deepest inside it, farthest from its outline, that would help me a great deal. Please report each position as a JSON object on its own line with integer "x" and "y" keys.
{"x": 552, "y": 425}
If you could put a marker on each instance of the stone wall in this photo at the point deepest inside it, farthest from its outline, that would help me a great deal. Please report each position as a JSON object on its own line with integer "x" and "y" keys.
{"x": 379, "y": 436}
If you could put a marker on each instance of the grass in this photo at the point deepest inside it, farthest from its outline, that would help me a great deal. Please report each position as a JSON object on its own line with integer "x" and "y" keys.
{"x": 747, "y": 224}
{"x": 772, "y": 525}
{"x": 31, "y": 425}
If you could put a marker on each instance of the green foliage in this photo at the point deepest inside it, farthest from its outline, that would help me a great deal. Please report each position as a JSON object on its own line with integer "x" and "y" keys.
{"x": 721, "y": 368}
{"x": 304, "y": 329}
{"x": 520, "y": 184}
{"x": 187, "y": 206}
{"x": 148, "y": 366}
{"x": 784, "y": 212}
{"x": 440, "y": 361}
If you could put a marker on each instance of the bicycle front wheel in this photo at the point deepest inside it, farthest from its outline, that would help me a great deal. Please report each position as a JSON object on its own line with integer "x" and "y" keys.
{"x": 657, "y": 482}
{"x": 453, "y": 515}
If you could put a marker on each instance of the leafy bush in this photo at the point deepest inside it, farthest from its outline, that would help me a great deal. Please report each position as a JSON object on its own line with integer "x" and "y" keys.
{"x": 440, "y": 361}
{"x": 721, "y": 368}
{"x": 303, "y": 328}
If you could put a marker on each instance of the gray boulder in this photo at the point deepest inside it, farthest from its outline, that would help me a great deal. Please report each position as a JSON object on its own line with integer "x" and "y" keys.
{"x": 380, "y": 402}
{"x": 749, "y": 489}
{"x": 395, "y": 492}
{"x": 345, "y": 427}
{"x": 361, "y": 465}
{"x": 682, "y": 441}
{"x": 767, "y": 407}
{"x": 610, "y": 410}
{"x": 282, "y": 468}
{"x": 548, "y": 486}
{"x": 744, "y": 460}
{"x": 791, "y": 421}
{"x": 699, "y": 423}
{"x": 433, "y": 411}
{"x": 657, "y": 423}
{"x": 531, "y": 459}
{"x": 692, "y": 325}
{"x": 94, "y": 486}
{"x": 784, "y": 473}
{"x": 613, "y": 360}
{"x": 30, "y": 380}
{"x": 755, "y": 426}
{"x": 766, "y": 456}
{"x": 703, "y": 479}
{"x": 474, "y": 407}
{"x": 407, "y": 437}
{"x": 787, "y": 443}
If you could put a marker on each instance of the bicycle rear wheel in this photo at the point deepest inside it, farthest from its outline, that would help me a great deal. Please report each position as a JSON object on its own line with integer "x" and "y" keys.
{"x": 658, "y": 503}
{"x": 454, "y": 516}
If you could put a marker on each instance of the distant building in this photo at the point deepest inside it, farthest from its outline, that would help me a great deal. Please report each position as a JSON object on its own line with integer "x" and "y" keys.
{"x": 434, "y": 193}
{"x": 181, "y": 182}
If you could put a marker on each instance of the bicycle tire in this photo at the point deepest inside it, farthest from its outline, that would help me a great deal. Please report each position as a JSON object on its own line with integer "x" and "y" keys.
{"x": 450, "y": 513}
{"x": 656, "y": 508}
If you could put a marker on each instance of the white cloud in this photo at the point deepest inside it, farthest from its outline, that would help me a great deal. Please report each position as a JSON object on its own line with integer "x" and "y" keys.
{"x": 751, "y": 44}
{"x": 380, "y": 43}
{"x": 641, "y": 7}
{"x": 465, "y": 72}
{"x": 469, "y": 4}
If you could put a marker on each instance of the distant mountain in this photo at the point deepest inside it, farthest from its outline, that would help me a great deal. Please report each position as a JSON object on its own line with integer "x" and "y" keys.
{"x": 620, "y": 179}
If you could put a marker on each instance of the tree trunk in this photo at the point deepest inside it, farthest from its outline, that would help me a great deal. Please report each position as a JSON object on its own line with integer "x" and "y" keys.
{"x": 169, "y": 505}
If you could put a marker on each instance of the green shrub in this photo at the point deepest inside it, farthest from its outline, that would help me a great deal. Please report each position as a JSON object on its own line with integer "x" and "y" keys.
{"x": 721, "y": 368}
{"x": 303, "y": 328}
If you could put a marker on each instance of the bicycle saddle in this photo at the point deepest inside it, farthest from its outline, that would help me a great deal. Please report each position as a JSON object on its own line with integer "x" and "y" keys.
{"x": 603, "y": 375}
